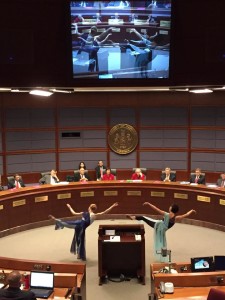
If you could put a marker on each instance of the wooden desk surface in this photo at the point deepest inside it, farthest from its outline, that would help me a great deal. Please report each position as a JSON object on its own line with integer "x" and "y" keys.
{"x": 32, "y": 205}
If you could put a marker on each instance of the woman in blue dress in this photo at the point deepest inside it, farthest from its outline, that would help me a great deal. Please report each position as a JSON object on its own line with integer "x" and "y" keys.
{"x": 161, "y": 226}
{"x": 79, "y": 226}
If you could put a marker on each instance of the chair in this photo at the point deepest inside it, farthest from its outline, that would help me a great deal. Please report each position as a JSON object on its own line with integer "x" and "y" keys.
{"x": 143, "y": 170}
{"x": 78, "y": 171}
{"x": 215, "y": 294}
{"x": 45, "y": 173}
{"x": 172, "y": 172}
{"x": 113, "y": 171}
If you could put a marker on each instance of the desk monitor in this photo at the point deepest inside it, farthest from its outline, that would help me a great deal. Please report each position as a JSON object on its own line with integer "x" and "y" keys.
{"x": 219, "y": 262}
{"x": 202, "y": 264}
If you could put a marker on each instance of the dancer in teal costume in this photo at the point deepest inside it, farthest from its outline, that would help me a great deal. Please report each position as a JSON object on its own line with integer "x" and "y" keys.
{"x": 161, "y": 226}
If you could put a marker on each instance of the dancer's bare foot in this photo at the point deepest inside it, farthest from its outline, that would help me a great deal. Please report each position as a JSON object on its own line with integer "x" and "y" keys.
{"x": 52, "y": 217}
{"x": 131, "y": 217}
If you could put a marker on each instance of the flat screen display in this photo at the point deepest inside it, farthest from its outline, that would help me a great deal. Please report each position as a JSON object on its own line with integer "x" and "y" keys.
{"x": 202, "y": 264}
{"x": 121, "y": 39}
{"x": 219, "y": 261}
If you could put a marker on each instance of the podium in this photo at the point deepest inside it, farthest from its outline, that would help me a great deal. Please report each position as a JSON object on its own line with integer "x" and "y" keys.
{"x": 121, "y": 252}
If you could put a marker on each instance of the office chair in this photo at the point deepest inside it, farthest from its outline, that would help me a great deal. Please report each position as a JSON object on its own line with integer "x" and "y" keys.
{"x": 215, "y": 294}
{"x": 143, "y": 170}
{"x": 172, "y": 172}
{"x": 113, "y": 171}
{"x": 45, "y": 173}
{"x": 78, "y": 171}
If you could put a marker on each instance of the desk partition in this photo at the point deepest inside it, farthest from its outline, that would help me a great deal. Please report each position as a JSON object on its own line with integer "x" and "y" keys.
{"x": 29, "y": 207}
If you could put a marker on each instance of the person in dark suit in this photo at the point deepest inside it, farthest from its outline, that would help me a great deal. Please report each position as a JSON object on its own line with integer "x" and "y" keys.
{"x": 81, "y": 176}
{"x": 16, "y": 182}
{"x": 221, "y": 181}
{"x": 197, "y": 177}
{"x": 13, "y": 291}
{"x": 50, "y": 178}
{"x": 167, "y": 176}
{"x": 99, "y": 170}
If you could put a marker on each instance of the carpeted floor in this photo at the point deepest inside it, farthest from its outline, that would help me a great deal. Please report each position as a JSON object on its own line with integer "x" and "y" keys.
{"x": 185, "y": 241}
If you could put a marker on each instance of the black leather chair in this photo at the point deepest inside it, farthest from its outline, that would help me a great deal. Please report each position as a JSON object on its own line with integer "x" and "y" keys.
{"x": 172, "y": 172}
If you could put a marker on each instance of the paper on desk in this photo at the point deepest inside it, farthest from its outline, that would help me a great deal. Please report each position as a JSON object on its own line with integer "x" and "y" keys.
{"x": 114, "y": 238}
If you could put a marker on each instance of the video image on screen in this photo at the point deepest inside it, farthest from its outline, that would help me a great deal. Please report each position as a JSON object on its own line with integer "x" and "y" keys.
{"x": 120, "y": 39}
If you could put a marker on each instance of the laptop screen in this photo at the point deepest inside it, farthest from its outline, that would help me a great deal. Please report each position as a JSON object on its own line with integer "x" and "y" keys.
{"x": 42, "y": 279}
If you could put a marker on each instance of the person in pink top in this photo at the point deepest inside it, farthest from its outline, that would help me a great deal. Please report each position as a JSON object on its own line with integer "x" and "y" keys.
{"x": 108, "y": 175}
{"x": 138, "y": 175}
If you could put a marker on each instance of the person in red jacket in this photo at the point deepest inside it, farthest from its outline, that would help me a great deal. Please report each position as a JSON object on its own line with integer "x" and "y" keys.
{"x": 138, "y": 175}
{"x": 108, "y": 175}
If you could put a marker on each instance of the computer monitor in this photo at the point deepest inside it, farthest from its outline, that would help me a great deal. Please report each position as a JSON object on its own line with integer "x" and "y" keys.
{"x": 219, "y": 262}
{"x": 202, "y": 264}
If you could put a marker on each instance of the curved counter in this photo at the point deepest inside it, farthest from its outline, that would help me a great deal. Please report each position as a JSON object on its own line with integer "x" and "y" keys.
{"x": 29, "y": 207}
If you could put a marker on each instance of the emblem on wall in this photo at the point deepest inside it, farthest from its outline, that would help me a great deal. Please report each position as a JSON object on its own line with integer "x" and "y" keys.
{"x": 123, "y": 138}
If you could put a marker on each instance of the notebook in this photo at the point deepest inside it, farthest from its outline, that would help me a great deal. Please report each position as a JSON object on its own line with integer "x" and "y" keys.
{"x": 41, "y": 283}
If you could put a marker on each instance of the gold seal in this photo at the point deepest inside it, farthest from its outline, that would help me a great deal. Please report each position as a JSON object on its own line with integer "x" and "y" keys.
{"x": 123, "y": 138}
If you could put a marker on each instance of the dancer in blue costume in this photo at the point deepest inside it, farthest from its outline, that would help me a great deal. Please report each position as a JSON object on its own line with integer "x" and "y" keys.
{"x": 79, "y": 226}
{"x": 161, "y": 226}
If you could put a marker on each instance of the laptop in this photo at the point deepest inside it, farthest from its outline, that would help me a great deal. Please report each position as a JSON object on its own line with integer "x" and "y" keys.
{"x": 42, "y": 283}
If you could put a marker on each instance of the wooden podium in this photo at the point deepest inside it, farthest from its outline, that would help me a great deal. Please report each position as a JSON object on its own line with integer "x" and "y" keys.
{"x": 121, "y": 252}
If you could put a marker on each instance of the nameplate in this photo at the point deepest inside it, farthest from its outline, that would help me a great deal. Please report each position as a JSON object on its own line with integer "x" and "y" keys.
{"x": 180, "y": 196}
{"x": 133, "y": 193}
{"x": 203, "y": 198}
{"x": 1, "y": 207}
{"x": 41, "y": 199}
{"x": 87, "y": 194}
{"x": 110, "y": 193}
{"x": 158, "y": 194}
{"x": 222, "y": 202}
{"x": 64, "y": 196}
{"x": 19, "y": 202}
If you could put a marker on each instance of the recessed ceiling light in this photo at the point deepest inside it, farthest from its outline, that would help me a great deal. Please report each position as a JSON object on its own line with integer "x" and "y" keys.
{"x": 41, "y": 93}
{"x": 201, "y": 91}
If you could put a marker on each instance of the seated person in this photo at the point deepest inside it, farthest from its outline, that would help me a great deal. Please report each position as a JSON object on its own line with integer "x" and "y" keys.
{"x": 108, "y": 175}
{"x": 138, "y": 175}
{"x": 167, "y": 176}
{"x": 49, "y": 178}
{"x": 221, "y": 181}
{"x": 13, "y": 291}
{"x": 82, "y": 165}
{"x": 81, "y": 176}
{"x": 99, "y": 170}
{"x": 16, "y": 183}
{"x": 197, "y": 177}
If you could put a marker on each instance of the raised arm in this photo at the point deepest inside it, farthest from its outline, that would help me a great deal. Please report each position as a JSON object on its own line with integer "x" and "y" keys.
{"x": 190, "y": 212}
{"x": 73, "y": 211}
{"x": 161, "y": 212}
{"x": 108, "y": 209}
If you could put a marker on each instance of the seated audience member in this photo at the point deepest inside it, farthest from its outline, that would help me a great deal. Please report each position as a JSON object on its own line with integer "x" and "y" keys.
{"x": 50, "y": 178}
{"x": 99, "y": 170}
{"x": 167, "y": 176}
{"x": 138, "y": 175}
{"x": 13, "y": 291}
{"x": 108, "y": 175}
{"x": 197, "y": 177}
{"x": 82, "y": 165}
{"x": 16, "y": 183}
{"x": 81, "y": 176}
{"x": 221, "y": 181}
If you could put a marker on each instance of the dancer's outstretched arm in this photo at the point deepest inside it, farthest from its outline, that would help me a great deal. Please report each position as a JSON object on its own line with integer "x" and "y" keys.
{"x": 180, "y": 217}
{"x": 161, "y": 212}
{"x": 108, "y": 209}
{"x": 73, "y": 211}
